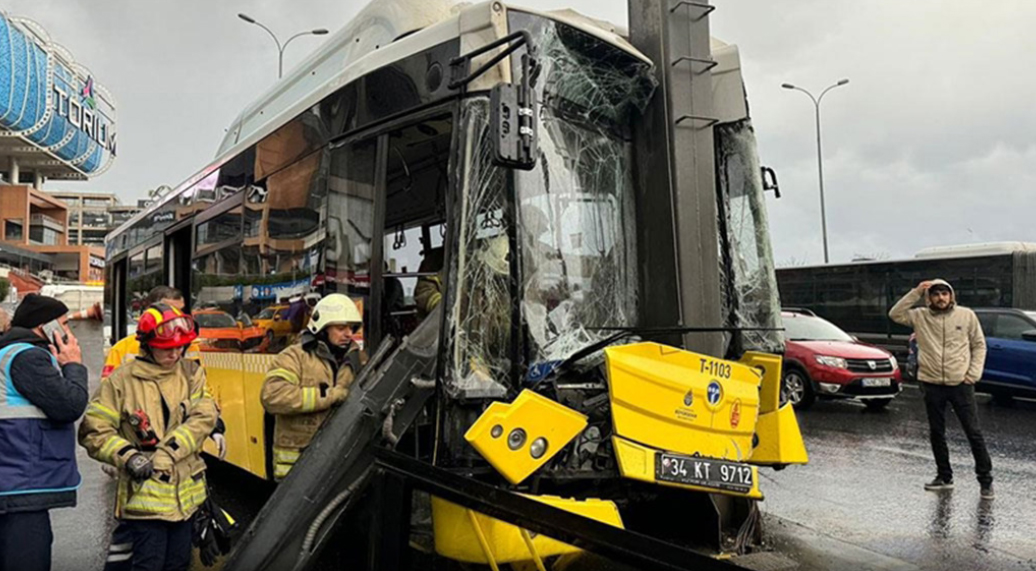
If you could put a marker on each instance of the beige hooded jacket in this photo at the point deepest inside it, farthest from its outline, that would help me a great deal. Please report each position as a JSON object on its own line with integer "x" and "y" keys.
{"x": 950, "y": 344}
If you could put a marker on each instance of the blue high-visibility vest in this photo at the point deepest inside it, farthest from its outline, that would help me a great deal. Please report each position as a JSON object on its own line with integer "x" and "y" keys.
{"x": 37, "y": 455}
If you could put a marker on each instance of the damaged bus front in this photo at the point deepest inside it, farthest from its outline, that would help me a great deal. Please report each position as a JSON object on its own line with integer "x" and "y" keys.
{"x": 491, "y": 219}
{"x": 543, "y": 310}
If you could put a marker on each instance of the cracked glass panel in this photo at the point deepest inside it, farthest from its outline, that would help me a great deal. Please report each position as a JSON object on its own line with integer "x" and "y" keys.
{"x": 752, "y": 300}
{"x": 576, "y": 208}
{"x": 480, "y": 301}
{"x": 575, "y": 215}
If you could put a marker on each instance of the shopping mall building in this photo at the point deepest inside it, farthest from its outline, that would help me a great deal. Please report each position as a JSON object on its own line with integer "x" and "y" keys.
{"x": 57, "y": 123}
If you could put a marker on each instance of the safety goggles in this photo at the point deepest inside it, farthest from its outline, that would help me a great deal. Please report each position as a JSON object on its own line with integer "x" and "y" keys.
{"x": 180, "y": 325}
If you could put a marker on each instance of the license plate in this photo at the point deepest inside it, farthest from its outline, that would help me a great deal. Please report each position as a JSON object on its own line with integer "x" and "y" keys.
{"x": 704, "y": 472}
{"x": 877, "y": 382}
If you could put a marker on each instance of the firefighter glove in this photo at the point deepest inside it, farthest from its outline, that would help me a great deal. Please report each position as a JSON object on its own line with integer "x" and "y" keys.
{"x": 221, "y": 445}
{"x": 212, "y": 531}
{"x": 204, "y": 537}
{"x": 140, "y": 467}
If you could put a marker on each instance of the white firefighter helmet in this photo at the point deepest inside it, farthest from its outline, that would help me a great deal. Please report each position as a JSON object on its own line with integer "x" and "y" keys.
{"x": 335, "y": 309}
{"x": 495, "y": 253}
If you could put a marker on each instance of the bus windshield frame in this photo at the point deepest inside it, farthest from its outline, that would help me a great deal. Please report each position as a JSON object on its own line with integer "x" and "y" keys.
{"x": 570, "y": 219}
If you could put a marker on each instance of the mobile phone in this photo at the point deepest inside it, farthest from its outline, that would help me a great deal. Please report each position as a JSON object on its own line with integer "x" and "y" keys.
{"x": 54, "y": 328}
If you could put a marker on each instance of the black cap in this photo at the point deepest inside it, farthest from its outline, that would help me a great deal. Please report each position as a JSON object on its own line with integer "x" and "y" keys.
{"x": 35, "y": 310}
{"x": 939, "y": 287}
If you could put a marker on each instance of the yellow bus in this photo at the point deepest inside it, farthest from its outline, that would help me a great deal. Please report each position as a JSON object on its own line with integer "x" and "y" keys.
{"x": 507, "y": 154}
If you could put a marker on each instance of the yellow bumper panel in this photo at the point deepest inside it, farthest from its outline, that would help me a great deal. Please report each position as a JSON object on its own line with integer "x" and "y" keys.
{"x": 780, "y": 441}
{"x": 683, "y": 402}
{"x": 465, "y": 535}
{"x": 638, "y": 463}
{"x": 519, "y": 437}
{"x": 770, "y": 366}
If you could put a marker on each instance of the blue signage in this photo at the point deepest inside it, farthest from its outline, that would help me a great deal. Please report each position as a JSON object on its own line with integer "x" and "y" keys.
{"x": 51, "y": 102}
{"x": 280, "y": 290}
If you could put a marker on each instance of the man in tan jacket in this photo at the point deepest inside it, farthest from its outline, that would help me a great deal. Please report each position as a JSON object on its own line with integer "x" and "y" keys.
{"x": 310, "y": 377}
{"x": 951, "y": 354}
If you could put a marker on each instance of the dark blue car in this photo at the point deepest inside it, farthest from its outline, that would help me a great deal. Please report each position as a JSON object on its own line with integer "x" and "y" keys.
{"x": 1010, "y": 353}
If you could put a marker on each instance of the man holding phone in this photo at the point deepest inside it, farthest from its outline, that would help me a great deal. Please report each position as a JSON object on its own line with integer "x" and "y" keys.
{"x": 43, "y": 391}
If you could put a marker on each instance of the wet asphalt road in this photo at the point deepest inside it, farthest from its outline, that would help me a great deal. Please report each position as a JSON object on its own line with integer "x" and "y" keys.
{"x": 859, "y": 504}
{"x": 863, "y": 486}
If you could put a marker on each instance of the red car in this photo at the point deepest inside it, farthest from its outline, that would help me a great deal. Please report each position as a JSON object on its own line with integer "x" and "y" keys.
{"x": 822, "y": 361}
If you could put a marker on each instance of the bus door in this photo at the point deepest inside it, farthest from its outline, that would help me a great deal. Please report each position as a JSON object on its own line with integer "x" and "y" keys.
{"x": 414, "y": 230}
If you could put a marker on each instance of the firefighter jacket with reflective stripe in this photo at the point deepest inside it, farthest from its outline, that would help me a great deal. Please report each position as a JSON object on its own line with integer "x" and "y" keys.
{"x": 37, "y": 454}
{"x": 182, "y": 414}
{"x": 297, "y": 392}
{"x": 428, "y": 293}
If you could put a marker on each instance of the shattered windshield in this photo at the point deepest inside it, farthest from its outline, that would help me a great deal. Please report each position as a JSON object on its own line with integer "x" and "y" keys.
{"x": 576, "y": 208}
{"x": 577, "y": 235}
{"x": 574, "y": 213}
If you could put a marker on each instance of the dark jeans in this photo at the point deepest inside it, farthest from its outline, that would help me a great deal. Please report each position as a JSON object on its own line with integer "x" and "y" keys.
{"x": 962, "y": 398}
{"x": 160, "y": 545}
{"x": 25, "y": 540}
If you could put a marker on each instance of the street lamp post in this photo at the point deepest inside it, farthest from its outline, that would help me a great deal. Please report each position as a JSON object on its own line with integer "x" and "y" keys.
{"x": 820, "y": 159}
{"x": 281, "y": 47}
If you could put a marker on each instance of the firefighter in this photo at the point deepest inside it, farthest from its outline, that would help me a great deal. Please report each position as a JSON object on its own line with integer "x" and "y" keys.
{"x": 120, "y": 548}
{"x": 128, "y": 348}
{"x": 310, "y": 377}
{"x": 428, "y": 291}
{"x": 149, "y": 419}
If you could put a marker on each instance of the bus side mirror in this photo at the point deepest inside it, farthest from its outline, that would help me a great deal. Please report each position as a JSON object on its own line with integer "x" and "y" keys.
{"x": 1029, "y": 335}
{"x": 770, "y": 182}
{"x": 513, "y": 126}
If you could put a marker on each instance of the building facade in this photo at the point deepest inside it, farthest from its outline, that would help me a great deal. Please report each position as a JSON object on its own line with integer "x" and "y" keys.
{"x": 37, "y": 222}
{"x": 56, "y": 123}
{"x": 92, "y": 215}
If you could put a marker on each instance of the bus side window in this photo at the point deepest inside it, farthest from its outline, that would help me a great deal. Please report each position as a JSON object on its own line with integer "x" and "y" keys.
{"x": 350, "y": 225}
{"x": 415, "y": 217}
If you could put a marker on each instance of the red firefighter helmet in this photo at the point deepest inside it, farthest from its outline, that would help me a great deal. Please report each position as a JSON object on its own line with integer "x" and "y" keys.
{"x": 165, "y": 327}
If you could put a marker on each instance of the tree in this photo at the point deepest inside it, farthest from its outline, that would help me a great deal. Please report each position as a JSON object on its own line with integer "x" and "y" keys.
{"x": 5, "y": 288}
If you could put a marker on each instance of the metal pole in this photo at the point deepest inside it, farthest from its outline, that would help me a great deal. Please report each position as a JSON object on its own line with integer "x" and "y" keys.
{"x": 280, "y": 46}
{"x": 820, "y": 174}
{"x": 820, "y": 157}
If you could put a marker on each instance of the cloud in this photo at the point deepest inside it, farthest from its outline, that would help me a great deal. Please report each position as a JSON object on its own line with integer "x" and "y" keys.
{"x": 929, "y": 144}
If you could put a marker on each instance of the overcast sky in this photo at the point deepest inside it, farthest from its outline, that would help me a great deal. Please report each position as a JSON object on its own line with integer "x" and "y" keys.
{"x": 929, "y": 144}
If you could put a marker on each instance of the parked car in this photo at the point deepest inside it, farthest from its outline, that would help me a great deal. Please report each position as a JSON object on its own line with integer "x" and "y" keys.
{"x": 274, "y": 320}
{"x": 910, "y": 368}
{"x": 1010, "y": 353}
{"x": 822, "y": 361}
{"x": 220, "y": 332}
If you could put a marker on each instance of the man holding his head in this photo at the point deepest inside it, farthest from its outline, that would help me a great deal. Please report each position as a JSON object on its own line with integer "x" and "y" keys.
{"x": 951, "y": 355}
